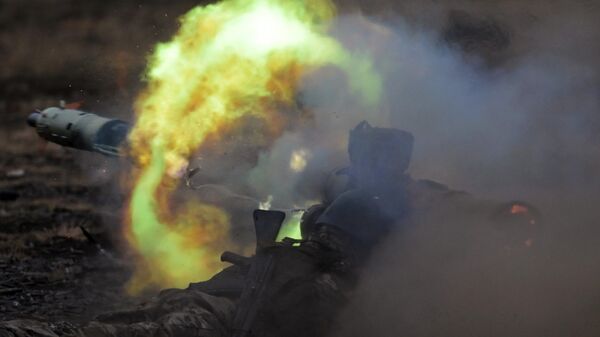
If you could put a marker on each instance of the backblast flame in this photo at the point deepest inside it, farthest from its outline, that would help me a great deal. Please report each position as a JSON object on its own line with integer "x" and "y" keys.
{"x": 229, "y": 60}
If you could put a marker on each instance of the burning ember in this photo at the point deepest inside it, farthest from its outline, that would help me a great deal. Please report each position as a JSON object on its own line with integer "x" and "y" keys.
{"x": 518, "y": 209}
{"x": 525, "y": 211}
{"x": 234, "y": 59}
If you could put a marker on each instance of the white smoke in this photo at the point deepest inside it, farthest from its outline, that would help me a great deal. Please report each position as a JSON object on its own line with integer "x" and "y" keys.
{"x": 525, "y": 126}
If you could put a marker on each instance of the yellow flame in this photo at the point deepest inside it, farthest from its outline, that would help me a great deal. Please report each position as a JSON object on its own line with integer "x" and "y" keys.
{"x": 234, "y": 59}
{"x": 298, "y": 160}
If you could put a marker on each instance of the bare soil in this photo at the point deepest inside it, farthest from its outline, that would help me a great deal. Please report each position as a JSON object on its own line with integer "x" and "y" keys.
{"x": 92, "y": 52}
{"x": 49, "y": 269}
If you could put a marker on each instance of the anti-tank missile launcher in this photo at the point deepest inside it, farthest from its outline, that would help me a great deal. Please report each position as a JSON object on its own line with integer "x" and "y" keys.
{"x": 369, "y": 148}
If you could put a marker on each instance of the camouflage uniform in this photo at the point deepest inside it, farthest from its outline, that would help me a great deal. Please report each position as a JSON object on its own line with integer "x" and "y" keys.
{"x": 309, "y": 284}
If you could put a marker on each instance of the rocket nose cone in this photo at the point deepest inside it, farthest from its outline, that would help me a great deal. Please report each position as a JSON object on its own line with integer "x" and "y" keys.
{"x": 33, "y": 118}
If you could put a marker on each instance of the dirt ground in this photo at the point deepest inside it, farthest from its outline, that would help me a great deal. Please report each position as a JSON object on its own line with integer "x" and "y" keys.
{"x": 49, "y": 269}
{"x": 77, "y": 52}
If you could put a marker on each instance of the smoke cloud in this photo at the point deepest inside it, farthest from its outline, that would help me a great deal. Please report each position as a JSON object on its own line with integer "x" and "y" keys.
{"x": 503, "y": 101}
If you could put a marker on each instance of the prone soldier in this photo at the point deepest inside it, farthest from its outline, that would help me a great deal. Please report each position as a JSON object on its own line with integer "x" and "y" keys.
{"x": 295, "y": 287}
{"x": 291, "y": 288}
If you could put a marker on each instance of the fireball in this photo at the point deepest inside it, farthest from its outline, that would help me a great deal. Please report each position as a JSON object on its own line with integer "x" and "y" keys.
{"x": 228, "y": 61}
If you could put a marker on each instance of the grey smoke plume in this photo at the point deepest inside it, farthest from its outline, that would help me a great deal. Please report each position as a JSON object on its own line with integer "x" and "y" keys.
{"x": 530, "y": 123}
{"x": 503, "y": 101}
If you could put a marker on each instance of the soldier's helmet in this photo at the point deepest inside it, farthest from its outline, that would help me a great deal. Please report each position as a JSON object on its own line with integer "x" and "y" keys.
{"x": 379, "y": 151}
{"x": 377, "y": 156}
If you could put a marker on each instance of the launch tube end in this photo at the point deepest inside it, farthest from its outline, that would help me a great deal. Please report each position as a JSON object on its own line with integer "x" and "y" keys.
{"x": 32, "y": 119}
